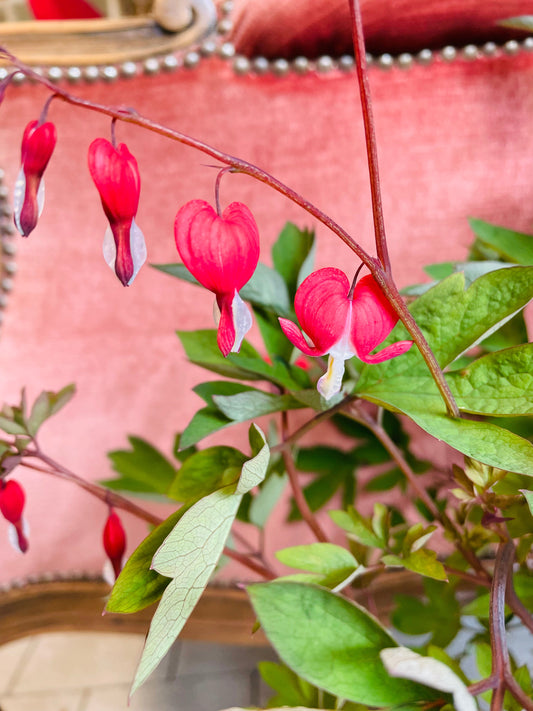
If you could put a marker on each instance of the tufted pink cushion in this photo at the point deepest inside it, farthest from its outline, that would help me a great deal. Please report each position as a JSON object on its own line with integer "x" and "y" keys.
{"x": 288, "y": 28}
{"x": 454, "y": 140}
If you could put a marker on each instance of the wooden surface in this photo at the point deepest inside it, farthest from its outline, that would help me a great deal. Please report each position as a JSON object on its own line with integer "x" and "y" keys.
{"x": 105, "y": 41}
{"x": 223, "y": 614}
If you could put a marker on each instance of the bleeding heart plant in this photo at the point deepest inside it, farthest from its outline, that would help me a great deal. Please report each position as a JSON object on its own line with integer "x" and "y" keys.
{"x": 447, "y": 358}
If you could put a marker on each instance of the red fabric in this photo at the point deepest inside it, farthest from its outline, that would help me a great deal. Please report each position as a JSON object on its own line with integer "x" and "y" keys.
{"x": 288, "y": 28}
{"x": 62, "y": 9}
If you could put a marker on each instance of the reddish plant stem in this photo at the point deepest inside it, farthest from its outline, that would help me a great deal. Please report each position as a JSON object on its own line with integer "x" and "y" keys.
{"x": 469, "y": 577}
{"x": 112, "y": 498}
{"x": 374, "y": 265}
{"x": 120, "y": 502}
{"x": 498, "y": 643}
{"x": 370, "y": 134}
{"x": 299, "y": 498}
{"x": 501, "y": 667}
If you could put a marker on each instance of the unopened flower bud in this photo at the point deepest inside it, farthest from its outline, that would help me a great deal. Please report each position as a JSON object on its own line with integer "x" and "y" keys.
{"x": 114, "y": 540}
{"x": 38, "y": 143}
{"x": 12, "y": 500}
{"x": 116, "y": 175}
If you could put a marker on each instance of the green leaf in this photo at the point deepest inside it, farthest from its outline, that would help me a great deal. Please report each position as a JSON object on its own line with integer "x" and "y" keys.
{"x": 437, "y": 612}
{"x": 209, "y": 419}
{"x": 423, "y": 562}
{"x": 509, "y": 245}
{"x": 143, "y": 464}
{"x": 331, "y": 642}
{"x": 291, "y": 689}
{"x": 267, "y": 288}
{"x": 276, "y": 342}
{"x": 219, "y": 387}
{"x": 201, "y": 348}
{"x": 454, "y": 319}
{"x": 189, "y": 555}
{"x": 357, "y": 527}
{"x": 254, "y": 470}
{"x": 528, "y": 496}
{"x": 204, "y": 422}
{"x": 290, "y": 255}
{"x": 321, "y": 558}
{"x": 440, "y": 271}
{"x": 254, "y": 403}
{"x": 46, "y": 405}
{"x": 319, "y": 492}
{"x": 12, "y": 428}
{"x": 483, "y": 441}
{"x": 205, "y": 471}
{"x": 138, "y": 586}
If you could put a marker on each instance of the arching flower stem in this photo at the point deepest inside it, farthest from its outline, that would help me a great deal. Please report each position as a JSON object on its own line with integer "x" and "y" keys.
{"x": 112, "y": 498}
{"x": 374, "y": 265}
{"x": 221, "y": 172}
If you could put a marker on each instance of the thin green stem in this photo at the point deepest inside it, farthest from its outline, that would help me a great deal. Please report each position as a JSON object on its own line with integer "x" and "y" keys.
{"x": 370, "y": 134}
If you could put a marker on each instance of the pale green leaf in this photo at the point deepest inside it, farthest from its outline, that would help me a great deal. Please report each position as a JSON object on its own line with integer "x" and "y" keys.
{"x": 254, "y": 470}
{"x": 189, "y": 555}
{"x": 253, "y": 403}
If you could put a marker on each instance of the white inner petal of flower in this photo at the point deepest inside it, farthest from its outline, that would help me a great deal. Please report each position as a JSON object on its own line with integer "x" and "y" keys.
{"x": 40, "y": 197}
{"x": 137, "y": 247}
{"x": 242, "y": 321}
{"x": 330, "y": 383}
{"x": 18, "y": 197}
{"x": 109, "y": 248}
{"x": 12, "y": 535}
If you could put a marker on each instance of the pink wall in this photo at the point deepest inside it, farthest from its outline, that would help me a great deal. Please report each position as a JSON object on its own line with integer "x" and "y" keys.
{"x": 454, "y": 140}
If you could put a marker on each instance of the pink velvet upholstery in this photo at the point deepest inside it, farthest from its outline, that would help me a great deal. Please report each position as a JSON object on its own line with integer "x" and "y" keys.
{"x": 454, "y": 140}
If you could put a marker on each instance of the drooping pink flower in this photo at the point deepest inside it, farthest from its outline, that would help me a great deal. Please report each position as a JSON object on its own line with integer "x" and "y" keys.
{"x": 221, "y": 252}
{"x": 342, "y": 326}
{"x": 38, "y": 143}
{"x": 116, "y": 175}
{"x": 114, "y": 540}
{"x": 12, "y": 499}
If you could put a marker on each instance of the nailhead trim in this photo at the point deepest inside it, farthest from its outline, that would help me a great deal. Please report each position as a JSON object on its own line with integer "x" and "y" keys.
{"x": 219, "y": 45}
{"x": 8, "y": 247}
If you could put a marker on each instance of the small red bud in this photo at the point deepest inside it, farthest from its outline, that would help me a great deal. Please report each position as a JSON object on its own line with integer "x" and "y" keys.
{"x": 38, "y": 143}
{"x": 12, "y": 500}
{"x": 114, "y": 540}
